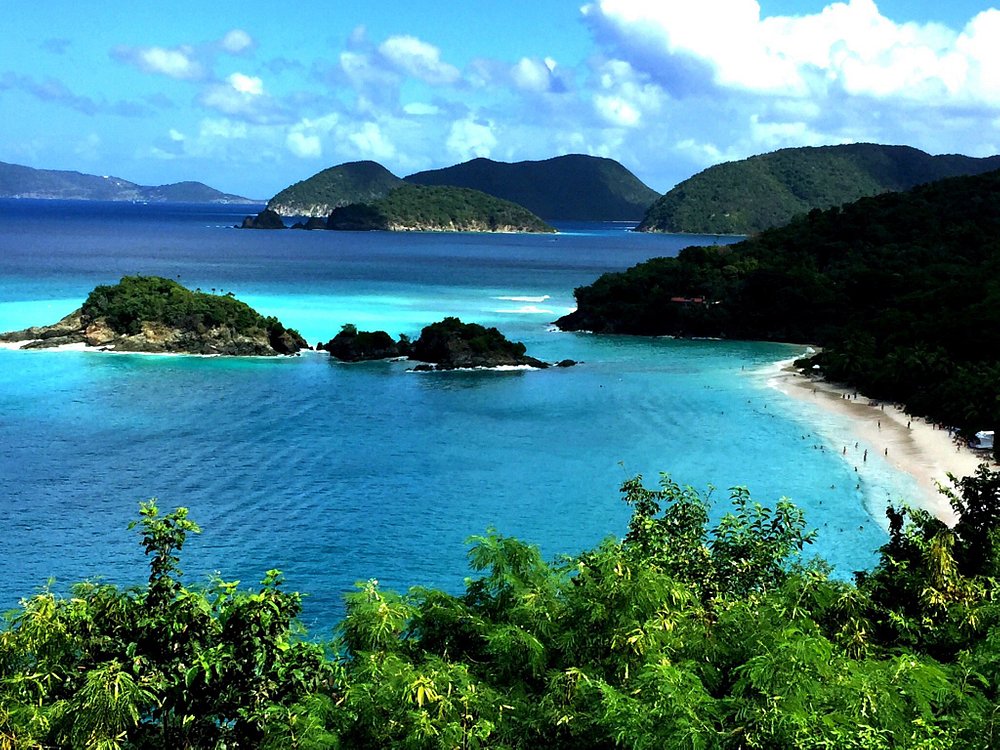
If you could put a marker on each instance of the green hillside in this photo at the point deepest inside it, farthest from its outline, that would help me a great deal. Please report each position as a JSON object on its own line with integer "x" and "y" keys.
{"x": 449, "y": 209}
{"x": 766, "y": 191}
{"x": 574, "y": 187}
{"x": 354, "y": 182}
{"x": 902, "y": 290}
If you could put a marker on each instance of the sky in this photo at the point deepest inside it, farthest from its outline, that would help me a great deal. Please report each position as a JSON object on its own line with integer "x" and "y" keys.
{"x": 249, "y": 98}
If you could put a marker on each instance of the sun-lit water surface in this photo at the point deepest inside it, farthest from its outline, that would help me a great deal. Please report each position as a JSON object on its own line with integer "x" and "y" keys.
{"x": 336, "y": 473}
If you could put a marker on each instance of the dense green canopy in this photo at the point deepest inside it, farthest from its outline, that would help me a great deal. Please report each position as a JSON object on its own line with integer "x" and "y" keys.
{"x": 748, "y": 196}
{"x": 902, "y": 290}
{"x": 681, "y": 635}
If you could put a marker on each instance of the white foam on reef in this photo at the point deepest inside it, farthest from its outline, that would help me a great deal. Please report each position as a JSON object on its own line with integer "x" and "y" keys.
{"x": 525, "y": 310}
{"x": 524, "y": 299}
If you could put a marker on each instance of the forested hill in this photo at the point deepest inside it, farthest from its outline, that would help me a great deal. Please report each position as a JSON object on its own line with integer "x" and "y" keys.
{"x": 17, "y": 181}
{"x": 354, "y": 182}
{"x": 437, "y": 209}
{"x": 575, "y": 187}
{"x": 745, "y": 197}
{"x": 903, "y": 290}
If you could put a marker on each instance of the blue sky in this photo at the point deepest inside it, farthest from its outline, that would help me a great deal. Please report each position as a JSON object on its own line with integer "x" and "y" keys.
{"x": 249, "y": 99}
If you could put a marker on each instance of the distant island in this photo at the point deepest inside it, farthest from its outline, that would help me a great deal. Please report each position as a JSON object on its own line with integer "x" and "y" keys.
{"x": 421, "y": 209}
{"x": 153, "y": 314}
{"x": 448, "y": 344}
{"x": 576, "y": 186}
{"x": 571, "y": 187}
{"x": 902, "y": 290}
{"x": 749, "y": 196}
{"x": 17, "y": 181}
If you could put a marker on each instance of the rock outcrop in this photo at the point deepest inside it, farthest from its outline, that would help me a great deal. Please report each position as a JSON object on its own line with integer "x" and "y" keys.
{"x": 352, "y": 345}
{"x": 451, "y": 345}
{"x": 266, "y": 219}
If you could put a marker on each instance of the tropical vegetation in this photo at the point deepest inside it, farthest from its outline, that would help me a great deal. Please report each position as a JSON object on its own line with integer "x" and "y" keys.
{"x": 125, "y": 306}
{"x": 354, "y": 182}
{"x": 901, "y": 290}
{"x": 437, "y": 209}
{"x": 683, "y": 634}
{"x": 749, "y": 196}
{"x": 574, "y": 186}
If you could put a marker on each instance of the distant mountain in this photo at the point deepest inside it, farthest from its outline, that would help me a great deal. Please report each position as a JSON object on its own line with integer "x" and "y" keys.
{"x": 575, "y": 187}
{"x": 745, "y": 197}
{"x": 430, "y": 208}
{"x": 17, "y": 181}
{"x": 354, "y": 182}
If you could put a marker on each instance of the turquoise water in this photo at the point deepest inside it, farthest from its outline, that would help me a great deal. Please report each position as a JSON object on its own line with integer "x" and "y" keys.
{"x": 337, "y": 473}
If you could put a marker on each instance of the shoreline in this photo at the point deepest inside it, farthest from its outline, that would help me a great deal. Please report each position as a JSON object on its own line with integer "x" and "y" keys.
{"x": 17, "y": 346}
{"x": 909, "y": 444}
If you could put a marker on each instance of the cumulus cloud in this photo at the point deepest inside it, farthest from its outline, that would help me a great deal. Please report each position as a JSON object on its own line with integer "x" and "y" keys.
{"x": 55, "y": 91}
{"x": 533, "y": 74}
{"x": 419, "y": 59}
{"x": 468, "y": 139}
{"x": 304, "y": 146}
{"x": 174, "y": 62}
{"x": 847, "y": 46}
{"x": 372, "y": 143}
{"x": 236, "y": 42}
{"x": 246, "y": 84}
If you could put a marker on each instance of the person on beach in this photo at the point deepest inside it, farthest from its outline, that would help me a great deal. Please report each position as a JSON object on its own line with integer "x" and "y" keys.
{"x": 865, "y": 457}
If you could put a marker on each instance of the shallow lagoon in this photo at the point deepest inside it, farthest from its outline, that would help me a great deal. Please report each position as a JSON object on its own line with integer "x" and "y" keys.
{"x": 336, "y": 473}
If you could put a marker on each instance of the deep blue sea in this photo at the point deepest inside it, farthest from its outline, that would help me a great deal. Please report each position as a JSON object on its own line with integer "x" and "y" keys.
{"x": 337, "y": 473}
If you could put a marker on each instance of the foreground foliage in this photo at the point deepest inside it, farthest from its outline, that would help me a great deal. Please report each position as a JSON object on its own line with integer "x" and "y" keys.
{"x": 682, "y": 635}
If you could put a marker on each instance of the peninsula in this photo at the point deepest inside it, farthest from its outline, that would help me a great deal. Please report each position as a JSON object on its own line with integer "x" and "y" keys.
{"x": 156, "y": 315}
{"x": 17, "y": 181}
{"x": 901, "y": 290}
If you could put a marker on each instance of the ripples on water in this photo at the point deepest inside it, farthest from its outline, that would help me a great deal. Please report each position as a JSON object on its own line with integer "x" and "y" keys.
{"x": 337, "y": 473}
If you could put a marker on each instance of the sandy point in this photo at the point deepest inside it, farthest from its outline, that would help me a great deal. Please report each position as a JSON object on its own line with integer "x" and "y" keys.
{"x": 910, "y": 444}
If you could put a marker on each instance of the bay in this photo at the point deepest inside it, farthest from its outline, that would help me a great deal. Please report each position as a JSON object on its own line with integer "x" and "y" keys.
{"x": 337, "y": 473}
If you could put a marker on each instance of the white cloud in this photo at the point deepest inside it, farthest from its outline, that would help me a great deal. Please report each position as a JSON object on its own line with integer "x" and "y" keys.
{"x": 236, "y": 41}
{"x": 847, "y": 46}
{"x": 418, "y": 59}
{"x": 177, "y": 62}
{"x": 617, "y": 111}
{"x": 176, "y": 135}
{"x": 468, "y": 139}
{"x": 246, "y": 84}
{"x": 304, "y": 146}
{"x": 372, "y": 143}
{"x": 531, "y": 75}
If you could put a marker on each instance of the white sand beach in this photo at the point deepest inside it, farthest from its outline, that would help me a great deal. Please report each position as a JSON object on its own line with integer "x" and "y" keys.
{"x": 910, "y": 444}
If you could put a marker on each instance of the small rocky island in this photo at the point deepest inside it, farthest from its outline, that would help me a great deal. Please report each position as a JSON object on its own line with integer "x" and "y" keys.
{"x": 157, "y": 315}
{"x": 419, "y": 208}
{"x": 448, "y": 344}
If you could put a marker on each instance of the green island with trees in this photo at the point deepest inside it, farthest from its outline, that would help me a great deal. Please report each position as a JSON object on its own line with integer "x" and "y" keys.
{"x": 902, "y": 291}
{"x": 680, "y": 635}
{"x": 768, "y": 190}
{"x": 154, "y": 314}
{"x": 437, "y": 208}
{"x": 574, "y": 186}
{"x": 353, "y": 182}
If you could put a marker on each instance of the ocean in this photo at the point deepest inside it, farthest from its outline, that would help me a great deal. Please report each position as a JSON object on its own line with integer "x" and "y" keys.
{"x": 337, "y": 473}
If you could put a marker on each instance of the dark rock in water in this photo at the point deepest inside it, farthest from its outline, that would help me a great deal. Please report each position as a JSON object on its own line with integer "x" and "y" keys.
{"x": 352, "y": 345}
{"x": 566, "y": 363}
{"x": 266, "y": 219}
{"x": 313, "y": 222}
{"x": 357, "y": 217}
{"x": 451, "y": 344}
{"x": 152, "y": 314}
